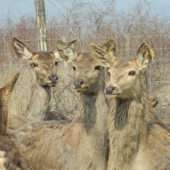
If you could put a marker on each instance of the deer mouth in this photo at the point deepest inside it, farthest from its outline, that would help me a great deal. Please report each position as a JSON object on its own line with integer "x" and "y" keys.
{"x": 52, "y": 84}
{"x": 80, "y": 89}
{"x": 112, "y": 95}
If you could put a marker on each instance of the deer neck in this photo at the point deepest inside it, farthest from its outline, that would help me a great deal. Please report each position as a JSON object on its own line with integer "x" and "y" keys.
{"x": 38, "y": 107}
{"x": 124, "y": 132}
{"x": 3, "y": 119}
{"x": 95, "y": 110}
{"x": 127, "y": 128}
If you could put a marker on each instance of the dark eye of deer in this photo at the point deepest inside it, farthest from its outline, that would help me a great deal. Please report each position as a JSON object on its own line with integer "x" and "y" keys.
{"x": 35, "y": 64}
{"x": 131, "y": 73}
{"x": 56, "y": 62}
{"x": 74, "y": 68}
{"x": 97, "y": 68}
{"x": 108, "y": 73}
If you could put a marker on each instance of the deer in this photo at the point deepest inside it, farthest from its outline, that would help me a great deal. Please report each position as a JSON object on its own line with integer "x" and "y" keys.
{"x": 43, "y": 65}
{"x": 110, "y": 48}
{"x": 81, "y": 143}
{"x": 10, "y": 157}
{"x": 136, "y": 141}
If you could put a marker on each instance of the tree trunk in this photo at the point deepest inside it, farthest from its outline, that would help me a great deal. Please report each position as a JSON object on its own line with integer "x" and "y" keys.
{"x": 41, "y": 25}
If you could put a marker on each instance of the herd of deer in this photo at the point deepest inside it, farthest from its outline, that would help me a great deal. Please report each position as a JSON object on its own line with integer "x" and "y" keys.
{"x": 119, "y": 132}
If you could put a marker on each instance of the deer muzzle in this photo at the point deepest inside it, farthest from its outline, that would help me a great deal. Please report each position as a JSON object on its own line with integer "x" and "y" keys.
{"x": 110, "y": 90}
{"x": 53, "y": 78}
{"x": 78, "y": 83}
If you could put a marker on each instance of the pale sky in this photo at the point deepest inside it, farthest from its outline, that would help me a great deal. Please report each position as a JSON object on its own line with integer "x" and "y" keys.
{"x": 16, "y": 8}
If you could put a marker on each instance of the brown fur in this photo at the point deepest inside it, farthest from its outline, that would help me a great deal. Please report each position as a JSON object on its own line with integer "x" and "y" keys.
{"x": 136, "y": 143}
{"x": 12, "y": 158}
{"x": 63, "y": 114}
{"x": 4, "y": 100}
{"x": 2, "y": 160}
{"x": 68, "y": 145}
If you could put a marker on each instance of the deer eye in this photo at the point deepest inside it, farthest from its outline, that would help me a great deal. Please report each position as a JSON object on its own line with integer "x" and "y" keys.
{"x": 97, "y": 68}
{"x": 108, "y": 73}
{"x": 35, "y": 64}
{"x": 131, "y": 73}
{"x": 74, "y": 68}
{"x": 56, "y": 62}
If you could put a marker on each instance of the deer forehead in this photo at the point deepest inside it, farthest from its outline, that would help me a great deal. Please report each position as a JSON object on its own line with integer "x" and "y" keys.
{"x": 43, "y": 57}
{"x": 122, "y": 66}
{"x": 85, "y": 60}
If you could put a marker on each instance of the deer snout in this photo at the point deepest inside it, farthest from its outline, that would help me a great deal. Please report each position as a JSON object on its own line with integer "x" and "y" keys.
{"x": 78, "y": 83}
{"x": 53, "y": 78}
{"x": 110, "y": 90}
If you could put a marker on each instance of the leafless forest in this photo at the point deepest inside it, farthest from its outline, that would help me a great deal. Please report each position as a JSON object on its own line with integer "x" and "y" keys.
{"x": 89, "y": 24}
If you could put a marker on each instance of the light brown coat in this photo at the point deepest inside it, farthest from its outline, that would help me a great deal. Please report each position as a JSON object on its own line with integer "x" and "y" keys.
{"x": 136, "y": 141}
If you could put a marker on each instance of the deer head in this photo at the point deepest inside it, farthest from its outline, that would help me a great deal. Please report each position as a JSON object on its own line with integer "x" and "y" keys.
{"x": 86, "y": 67}
{"x": 43, "y": 63}
{"x": 124, "y": 73}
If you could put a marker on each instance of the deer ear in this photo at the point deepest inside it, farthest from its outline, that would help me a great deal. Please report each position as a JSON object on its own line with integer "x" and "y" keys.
{"x": 67, "y": 50}
{"x": 57, "y": 55}
{"x": 144, "y": 55}
{"x": 104, "y": 58}
{"x": 110, "y": 47}
{"x": 72, "y": 43}
{"x": 10, "y": 84}
{"x": 21, "y": 49}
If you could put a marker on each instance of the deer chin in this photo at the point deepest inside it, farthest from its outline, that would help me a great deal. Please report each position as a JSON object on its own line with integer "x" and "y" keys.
{"x": 81, "y": 90}
{"x": 50, "y": 84}
{"x": 110, "y": 96}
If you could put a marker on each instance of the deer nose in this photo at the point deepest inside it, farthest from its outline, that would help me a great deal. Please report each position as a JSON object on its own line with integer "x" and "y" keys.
{"x": 53, "y": 78}
{"x": 109, "y": 89}
{"x": 78, "y": 83}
